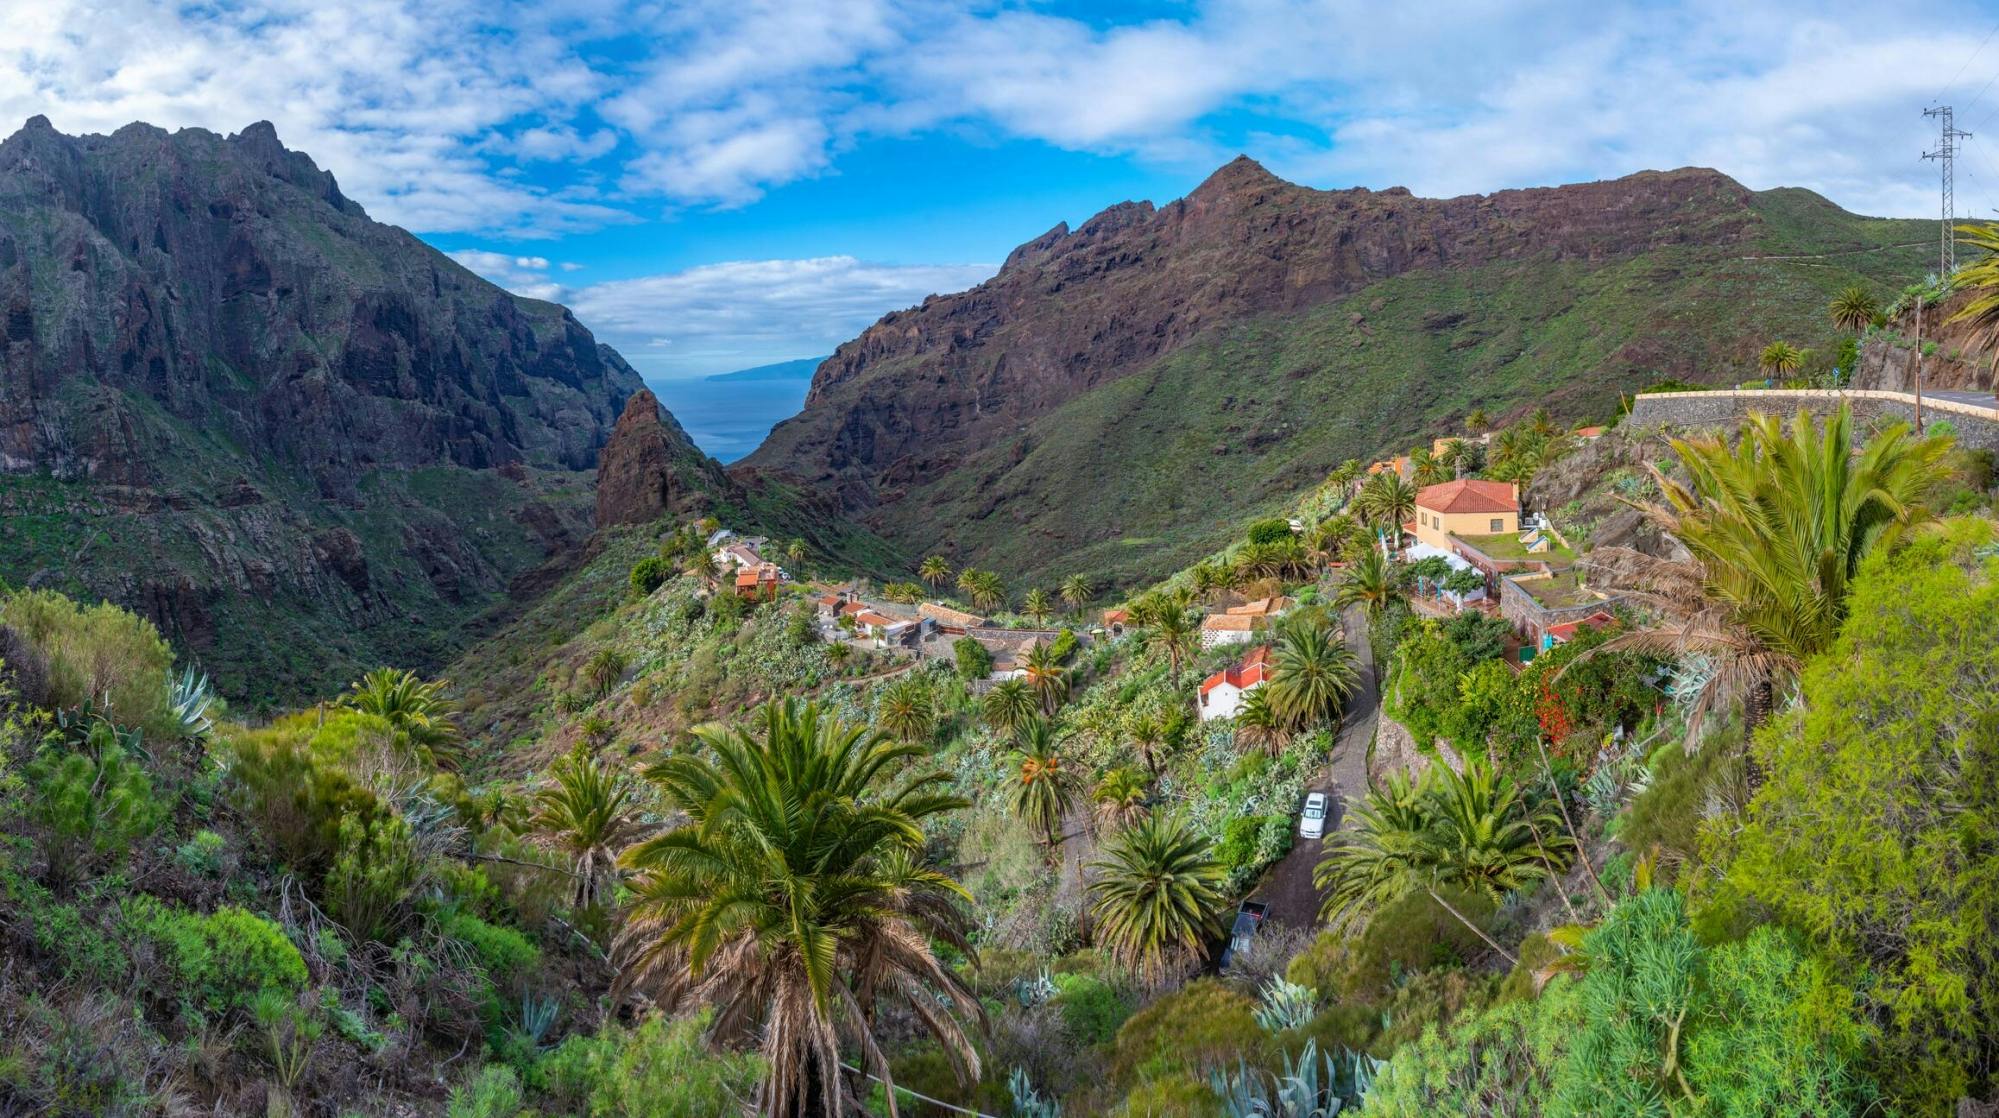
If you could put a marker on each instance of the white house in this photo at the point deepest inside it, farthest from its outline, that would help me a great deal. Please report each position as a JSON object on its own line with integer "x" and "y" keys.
{"x": 1229, "y": 628}
{"x": 1222, "y": 692}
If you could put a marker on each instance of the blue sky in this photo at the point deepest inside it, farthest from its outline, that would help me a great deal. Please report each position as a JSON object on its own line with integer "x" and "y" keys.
{"x": 713, "y": 186}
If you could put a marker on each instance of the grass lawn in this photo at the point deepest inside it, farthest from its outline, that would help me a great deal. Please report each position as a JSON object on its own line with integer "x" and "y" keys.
{"x": 1507, "y": 546}
{"x": 1559, "y": 591}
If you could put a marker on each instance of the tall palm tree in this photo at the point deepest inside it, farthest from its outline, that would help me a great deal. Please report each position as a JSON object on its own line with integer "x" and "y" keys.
{"x": 1170, "y": 627}
{"x": 1371, "y": 582}
{"x": 905, "y": 710}
{"x": 1776, "y": 526}
{"x": 702, "y": 565}
{"x": 1425, "y": 468}
{"x": 794, "y": 898}
{"x": 1780, "y": 359}
{"x": 1037, "y": 604}
{"x": 604, "y": 668}
{"x": 1009, "y": 705}
{"x": 1120, "y": 798}
{"x": 1312, "y": 671}
{"x": 934, "y": 571}
{"x": 416, "y": 711}
{"x": 1047, "y": 676}
{"x": 1210, "y": 576}
{"x": 1258, "y": 723}
{"x": 1476, "y": 421}
{"x": 1386, "y": 501}
{"x": 1470, "y": 832}
{"x": 984, "y": 588}
{"x": 1981, "y": 276}
{"x": 1147, "y": 732}
{"x": 1327, "y": 540}
{"x": 1157, "y": 896}
{"x": 1542, "y": 424}
{"x": 1044, "y": 787}
{"x": 1077, "y": 592}
{"x": 1853, "y": 309}
{"x": 589, "y": 813}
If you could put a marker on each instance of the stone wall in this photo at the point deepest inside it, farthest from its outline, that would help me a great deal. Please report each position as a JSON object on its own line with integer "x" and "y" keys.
{"x": 1686, "y": 411}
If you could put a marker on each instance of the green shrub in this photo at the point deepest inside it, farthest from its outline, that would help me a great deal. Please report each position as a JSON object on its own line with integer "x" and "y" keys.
{"x": 1275, "y": 529}
{"x": 504, "y": 953}
{"x": 661, "y": 1067}
{"x": 201, "y": 854}
{"x": 493, "y": 1091}
{"x": 74, "y": 944}
{"x": 1178, "y": 1095}
{"x": 223, "y": 961}
{"x": 102, "y": 654}
{"x": 91, "y": 809}
{"x": 1668, "y": 813}
{"x": 1092, "y": 1008}
{"x": 974, "y": 661}
{"x": 372, "y": 874}
{"x": 1202, "y": 1026}
{"x": 91, "y": 1057}
{"x": 649, "y": 574}
{"x": 289, "y": 784}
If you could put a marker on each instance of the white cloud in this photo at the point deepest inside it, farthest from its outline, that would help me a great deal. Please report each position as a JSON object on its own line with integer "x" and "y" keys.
{"x": 720, "y": 317}
{"x": 522, "y": 275}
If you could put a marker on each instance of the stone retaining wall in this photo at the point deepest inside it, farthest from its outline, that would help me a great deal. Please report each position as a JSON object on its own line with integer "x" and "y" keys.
{"x": 1684, "y": 411}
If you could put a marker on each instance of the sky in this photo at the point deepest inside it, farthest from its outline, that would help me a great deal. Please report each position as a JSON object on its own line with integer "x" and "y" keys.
{"x": 712, "y": 186}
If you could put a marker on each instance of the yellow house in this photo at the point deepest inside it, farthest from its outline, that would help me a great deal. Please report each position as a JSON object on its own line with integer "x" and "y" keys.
{"x": 1466, "y": 507}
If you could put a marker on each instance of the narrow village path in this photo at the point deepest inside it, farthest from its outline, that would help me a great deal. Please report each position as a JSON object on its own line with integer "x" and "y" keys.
{"x": 1287, "y": 886}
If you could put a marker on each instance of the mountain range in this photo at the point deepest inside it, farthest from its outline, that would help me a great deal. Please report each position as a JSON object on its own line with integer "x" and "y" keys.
{"x": 1121, "y": 394}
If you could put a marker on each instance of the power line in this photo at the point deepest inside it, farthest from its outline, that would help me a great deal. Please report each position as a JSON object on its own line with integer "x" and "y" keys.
{"x": 1946, "y": 155}
{"x": 1967, "y": 62}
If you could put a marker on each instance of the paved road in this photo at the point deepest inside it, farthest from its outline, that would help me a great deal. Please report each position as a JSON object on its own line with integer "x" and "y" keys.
{"x": 1975, "y": 399}
{"x": 1287, "y": 886}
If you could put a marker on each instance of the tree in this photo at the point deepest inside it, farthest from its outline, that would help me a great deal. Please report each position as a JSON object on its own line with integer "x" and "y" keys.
{"x": 1157, "y": 896}
{"x": 1046, "y": 675}
{"x": 1332, "y": 538}
{"x": 1780, "y": 359}
{"x": 1371, "y": 583}
{"x": 839, "y": 652}
{"x": 1873, "y": 832}
{"x": 588, "y": 813}
{"x": 833, "y": 813}
{"x": 1258, "y": 723}
{"x": 983, "y": 588}
{"x": 1853, "y": 309}
{"x": 417, "y": 711}
{"x": 1037, "y": 605}
{"x": 1776, "y": 526}
{"x": 795, "y": 552}
{"x": 934, "y": 571}
{"x": 1010, "y": 705}
{"x": 1120, "y": 798}
{"x": 1477, "y": 421}
{"x": 1981, "y": 277}
{"x": 1386, "y": 502}
{"x": 904, "y": 709}
{"x": 1169, "y": 627}
{"x": 975, "y": 661}
{"x": 1147, "y": 732}
{"x": 1471, "y": 831}
{"x": 1077, "y": 592}
{"x": 604, "y": 668}
{"x": 701, "y": 563}
{"x": 1425, "y": 468}
{"x": 1312, "y": 671}
{"x": 1044, "y": 788}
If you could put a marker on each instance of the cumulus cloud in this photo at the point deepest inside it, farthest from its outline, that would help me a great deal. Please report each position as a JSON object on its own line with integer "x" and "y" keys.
{"x": 720, "y": 317}
{"x": 542, "y": 119}
{"x": 522, "y": 275}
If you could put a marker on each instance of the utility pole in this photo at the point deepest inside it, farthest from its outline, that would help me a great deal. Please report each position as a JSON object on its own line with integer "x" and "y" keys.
{"x": 1946, "y": 155}
{"x": 1919, "y": 362}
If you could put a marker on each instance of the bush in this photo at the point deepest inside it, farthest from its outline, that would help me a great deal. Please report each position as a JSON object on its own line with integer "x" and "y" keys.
{"x": 661, "y": 1067}
{"x": 91, "y": 808}
{"x": 1202, "y": 1026}
{"x": 1275, "y": 529}
{"x": 1179, "y": 1095}
{"x": 649, "y": 574}
{"x": 88, "y": 1058}
{"x": 100, "y": 654}
{"x": 504, "y": 953}
{"x": 493, "y": 1091}
{"x": 223, "y": 961}
{"x": 974, "y": 662}
{"x": 74, "y": 944}
{"x": 372, "y": 874}
{"x": 201, "y": 854}
{"x": 1092, "y": 1009}
{"x": 289, "y": 781}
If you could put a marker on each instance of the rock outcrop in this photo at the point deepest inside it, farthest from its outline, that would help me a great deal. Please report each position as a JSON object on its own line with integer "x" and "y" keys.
{"x": 649, "y": 468}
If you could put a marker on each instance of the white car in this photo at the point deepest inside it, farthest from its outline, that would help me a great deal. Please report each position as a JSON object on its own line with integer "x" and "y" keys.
{"x": 1312, "y": 821}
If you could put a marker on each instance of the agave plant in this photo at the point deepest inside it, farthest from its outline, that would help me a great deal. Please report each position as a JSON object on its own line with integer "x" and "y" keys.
{"x": 1286, "y": 1005}
{"x": 1307, "y": 1088}
{"x": 1028, "y": 1102}
{"x": 189, "y": 699}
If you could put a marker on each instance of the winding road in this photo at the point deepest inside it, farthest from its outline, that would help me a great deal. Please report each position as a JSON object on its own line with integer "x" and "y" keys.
{"x": 1287, "y": 886}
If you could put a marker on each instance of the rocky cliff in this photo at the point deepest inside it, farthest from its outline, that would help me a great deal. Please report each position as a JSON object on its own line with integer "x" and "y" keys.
{"x": 303, "y": 441}
{"x": 646, "y": 471}
{"x": 1120, "y": 393}
{"x": 1957, "y": 356}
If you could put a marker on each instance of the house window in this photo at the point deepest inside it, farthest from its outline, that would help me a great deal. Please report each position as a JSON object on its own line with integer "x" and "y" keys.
{"x": 1498, "y": 526}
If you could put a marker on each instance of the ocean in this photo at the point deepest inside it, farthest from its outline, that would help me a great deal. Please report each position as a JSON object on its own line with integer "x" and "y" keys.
{"x": 728, "y": 418}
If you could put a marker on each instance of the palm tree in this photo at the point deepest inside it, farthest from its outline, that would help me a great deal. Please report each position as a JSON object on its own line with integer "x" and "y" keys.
{"x": 1470, "y": 832}
{"x": 1981, "y": 276}
{"x": 934, "y": 571}
{"x": 905, "y": 710}
{"x": 1780, "y": 359}
{"x": 984, "y": 588}
{"x": 1169, "y": 627}
{"x": 702, "y": 565}
{"x": 1776, "y": 527}
{"x": 1386, "y": 501}
{"x": 1157, "y": 896}
{"x": 416, "y": 711}
{"x": 1037, "y": 605}
{"x": 839, "y": 652}
{"x": 1258, "y": 723}
{"x": 1047, "y": 676}
{"x": 1120, "y": 798}
{"x": 589, "y": 813}
{"x": 795, "y": 551}
{"x": 1077, "y": 592}
{"x": 794, "y": 898}
{"x": 1853, "y": 309}
{"x": 1542, "y": 424}
{"x": 1477, "y": 421}
{"x": 1371, "y": 582}
{"x": 604, "y": 668}
{"x": 1210, "y": 576}
{"x": 1312, "y": 671}
{"x": 1426, "y": 468}
{"x": 1148, "y": 733}
{"x": 1009, "y": 705}
{"x": 1045, "y": 788}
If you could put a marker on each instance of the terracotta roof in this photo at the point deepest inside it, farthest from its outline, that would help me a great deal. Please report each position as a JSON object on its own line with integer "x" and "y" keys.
{"x": 1243, "y": 674}
{"x": 1588, "y": 432}
{"x": 852, "y": 608}
{"x": 1117, "y": 616}
{"x": 1566, "y": 631}
{"x": 950, "y": 616}
{"x": 829, "y": 599}
{"x": 1231, "y": 622}
{"x": 1262, "y": 607}
{"x": 870, "y": 617}
{"x": 1470, "y": 495}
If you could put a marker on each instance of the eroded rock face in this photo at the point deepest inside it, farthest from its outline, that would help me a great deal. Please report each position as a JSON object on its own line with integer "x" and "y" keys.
{"x": 650, "y": 468}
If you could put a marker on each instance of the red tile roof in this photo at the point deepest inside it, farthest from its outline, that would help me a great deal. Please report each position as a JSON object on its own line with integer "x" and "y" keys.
{"x": 1470, "y": 495}
{"x": 1566, "y": 631}
{"x": 1231, "y": 623}
{"x": 1588, "y": 432}
{"x": 1244, "y": 674}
